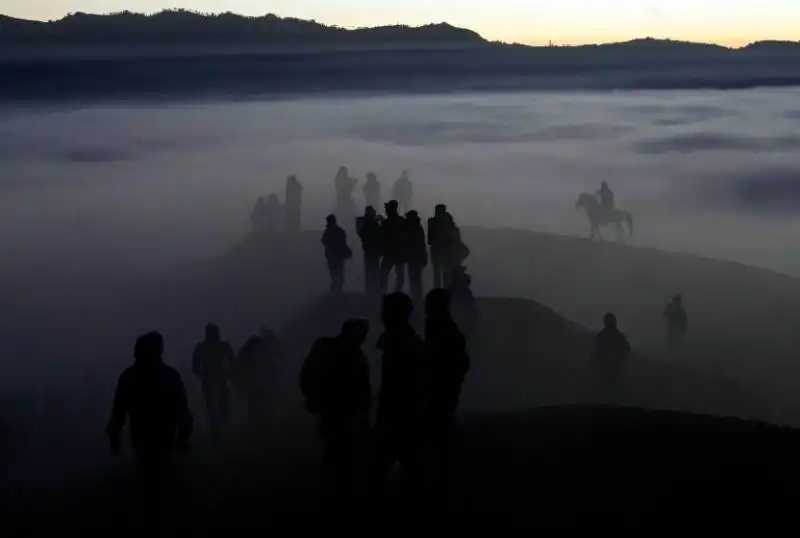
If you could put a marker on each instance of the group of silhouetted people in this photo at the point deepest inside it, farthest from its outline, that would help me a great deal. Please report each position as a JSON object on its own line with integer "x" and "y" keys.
{"x": 221, "y": 371}
{"x": 270, "y": 216}
{"x": 151, "y": 396}
{"x": 420, "y": 388}
{"x": 397, "y": 243}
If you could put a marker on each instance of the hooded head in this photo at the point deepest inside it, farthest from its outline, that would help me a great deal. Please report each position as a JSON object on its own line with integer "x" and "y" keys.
{"x": 212, "y": 333}
{"x": 331, "y": 220}
{"x": 610, "y": 321}
{"x": 149, "y": 348}
{"x": 437, "y": 302}
{"x": 397, "y": 309}
{"x": 441, "y": 210}
{"x": 354, "y": 332}
{"x": 412, "y": 217}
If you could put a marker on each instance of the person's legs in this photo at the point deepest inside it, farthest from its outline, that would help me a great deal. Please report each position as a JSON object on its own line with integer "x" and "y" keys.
{"x": 437, "y": 274}
{"x": 415, "y": 280}
{"x": 400, "y": 271}
{"x": 385, "y": 271}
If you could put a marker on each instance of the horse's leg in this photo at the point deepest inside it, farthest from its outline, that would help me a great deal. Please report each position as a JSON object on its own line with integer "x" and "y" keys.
{"x": 620, "y": 232}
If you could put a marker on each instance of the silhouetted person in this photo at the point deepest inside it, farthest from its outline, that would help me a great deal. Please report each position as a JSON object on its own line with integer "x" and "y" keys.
{"x": 606, "y": 196}
{"x": 399, "y": 422}
{"x": 449, "y": 364}
{"x": 611, "y": 354}
{"x": 403, "y": 191}
{"x": 336, "y": 384}
{"x": 677, "y": 323}
{"x": 416, "y": 253}
{"x": 442, "y": 238}
{"x": 368, "y": 228}
{"x": 345, "y": 208}
{"x": 336, "y": 252}
{"x": 151, "y": 397}
{"x": 393, "y": 246}
{"x": 212, "y": 363}
{"x": 372, "y": 191}
{"x": 292, "y": 212}
{"x": 255, "y": 366}
{"x": 274, "y": 213}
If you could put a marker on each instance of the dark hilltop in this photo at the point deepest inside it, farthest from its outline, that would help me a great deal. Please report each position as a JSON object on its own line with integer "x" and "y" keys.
{"x": 177, "y": 54}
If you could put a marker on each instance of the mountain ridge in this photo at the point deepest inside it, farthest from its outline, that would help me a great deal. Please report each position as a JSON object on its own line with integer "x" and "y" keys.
{"x": 184, "y": 26}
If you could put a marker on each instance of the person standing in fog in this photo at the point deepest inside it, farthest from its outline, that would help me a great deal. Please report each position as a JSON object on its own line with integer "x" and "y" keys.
{"x": 403, "y": 191}
{"x": 442, "y": 238}
{"x": 449, "y": 363}
{"x": 212, "y": 363}
{"x": 611, "y": 353}
{"x": 416, "y": 253}
{"x": 345, "y": 208}
{"x": 372, "y": 190}
{"x": 401, "y": 404}
{"x": 677, "y": 321}
{"x": 292, "y": 213}
{"x": 336, "y": 252}
{"x": 150, "y": 396}
{"x": 336, "y": 385}
{"x": 368, "y": 228}
{"x": 255, "y": 373}
{"x": 393, "y": 245}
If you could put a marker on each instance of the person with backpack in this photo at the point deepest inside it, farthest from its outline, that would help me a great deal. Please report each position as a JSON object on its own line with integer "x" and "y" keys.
{"x": 336, "y": 385}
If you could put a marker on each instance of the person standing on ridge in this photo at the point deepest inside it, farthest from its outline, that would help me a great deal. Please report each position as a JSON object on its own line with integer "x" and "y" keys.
{"x": 368, "y": 228}
{"x": 399, "y": 423}
{"x": 372, "y": 190}
{"x": 393, "y": 246}
{"x": 292, "y": 212}
{"x": 611, "y": 353}
{"x": 212, "y": 363}
{"x": 403, "y": 191}
{"x": 449, "y": 363}
{"x": 151, "y": 397}
{"x": 416, "y": 253}
{"x": 336, "y": 385}
{"x": 442, "y": 238}
{"x": 336, "y": 252}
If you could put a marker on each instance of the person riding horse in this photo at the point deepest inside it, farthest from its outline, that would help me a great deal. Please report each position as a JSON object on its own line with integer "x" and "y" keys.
{"x": 606, "y": 196}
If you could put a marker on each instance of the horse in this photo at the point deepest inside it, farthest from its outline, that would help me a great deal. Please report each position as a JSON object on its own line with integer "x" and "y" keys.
{"x": 599, "y": 216}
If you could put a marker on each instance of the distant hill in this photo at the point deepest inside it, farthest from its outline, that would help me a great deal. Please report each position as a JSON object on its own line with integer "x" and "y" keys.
{"x": 186, "y": 27}
{"x": 182, "y": 54}
{"x": 182, "y": 27}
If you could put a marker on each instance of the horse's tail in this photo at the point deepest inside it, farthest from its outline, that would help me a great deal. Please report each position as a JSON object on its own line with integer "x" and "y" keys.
{"x": 629, "y": 220}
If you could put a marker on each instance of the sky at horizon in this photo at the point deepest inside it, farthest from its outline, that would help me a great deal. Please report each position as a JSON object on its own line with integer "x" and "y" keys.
{"x": 564, "y": 22}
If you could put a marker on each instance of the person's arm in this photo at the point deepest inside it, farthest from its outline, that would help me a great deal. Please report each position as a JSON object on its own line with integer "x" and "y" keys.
{"x": 185, "y": 418}
{"x": 197, "y": 362}
{"x": 626, "y": 347}
{"x": 365, "y": 388}
{"x": 119, "y": 413}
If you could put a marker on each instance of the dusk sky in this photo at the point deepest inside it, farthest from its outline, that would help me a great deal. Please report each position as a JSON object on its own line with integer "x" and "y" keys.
{"x": 730, "y": 22}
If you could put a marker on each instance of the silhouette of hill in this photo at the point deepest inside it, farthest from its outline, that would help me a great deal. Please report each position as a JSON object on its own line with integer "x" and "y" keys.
{"x": 186, "y": 27}
{"x": 184, "y": 54}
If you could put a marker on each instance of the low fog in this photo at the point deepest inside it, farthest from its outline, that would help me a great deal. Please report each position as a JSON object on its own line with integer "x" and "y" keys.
{"x": 119, "y": 219}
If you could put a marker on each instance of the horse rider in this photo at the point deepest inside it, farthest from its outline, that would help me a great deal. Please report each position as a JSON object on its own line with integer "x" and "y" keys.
{"x": 606, "y": 196}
